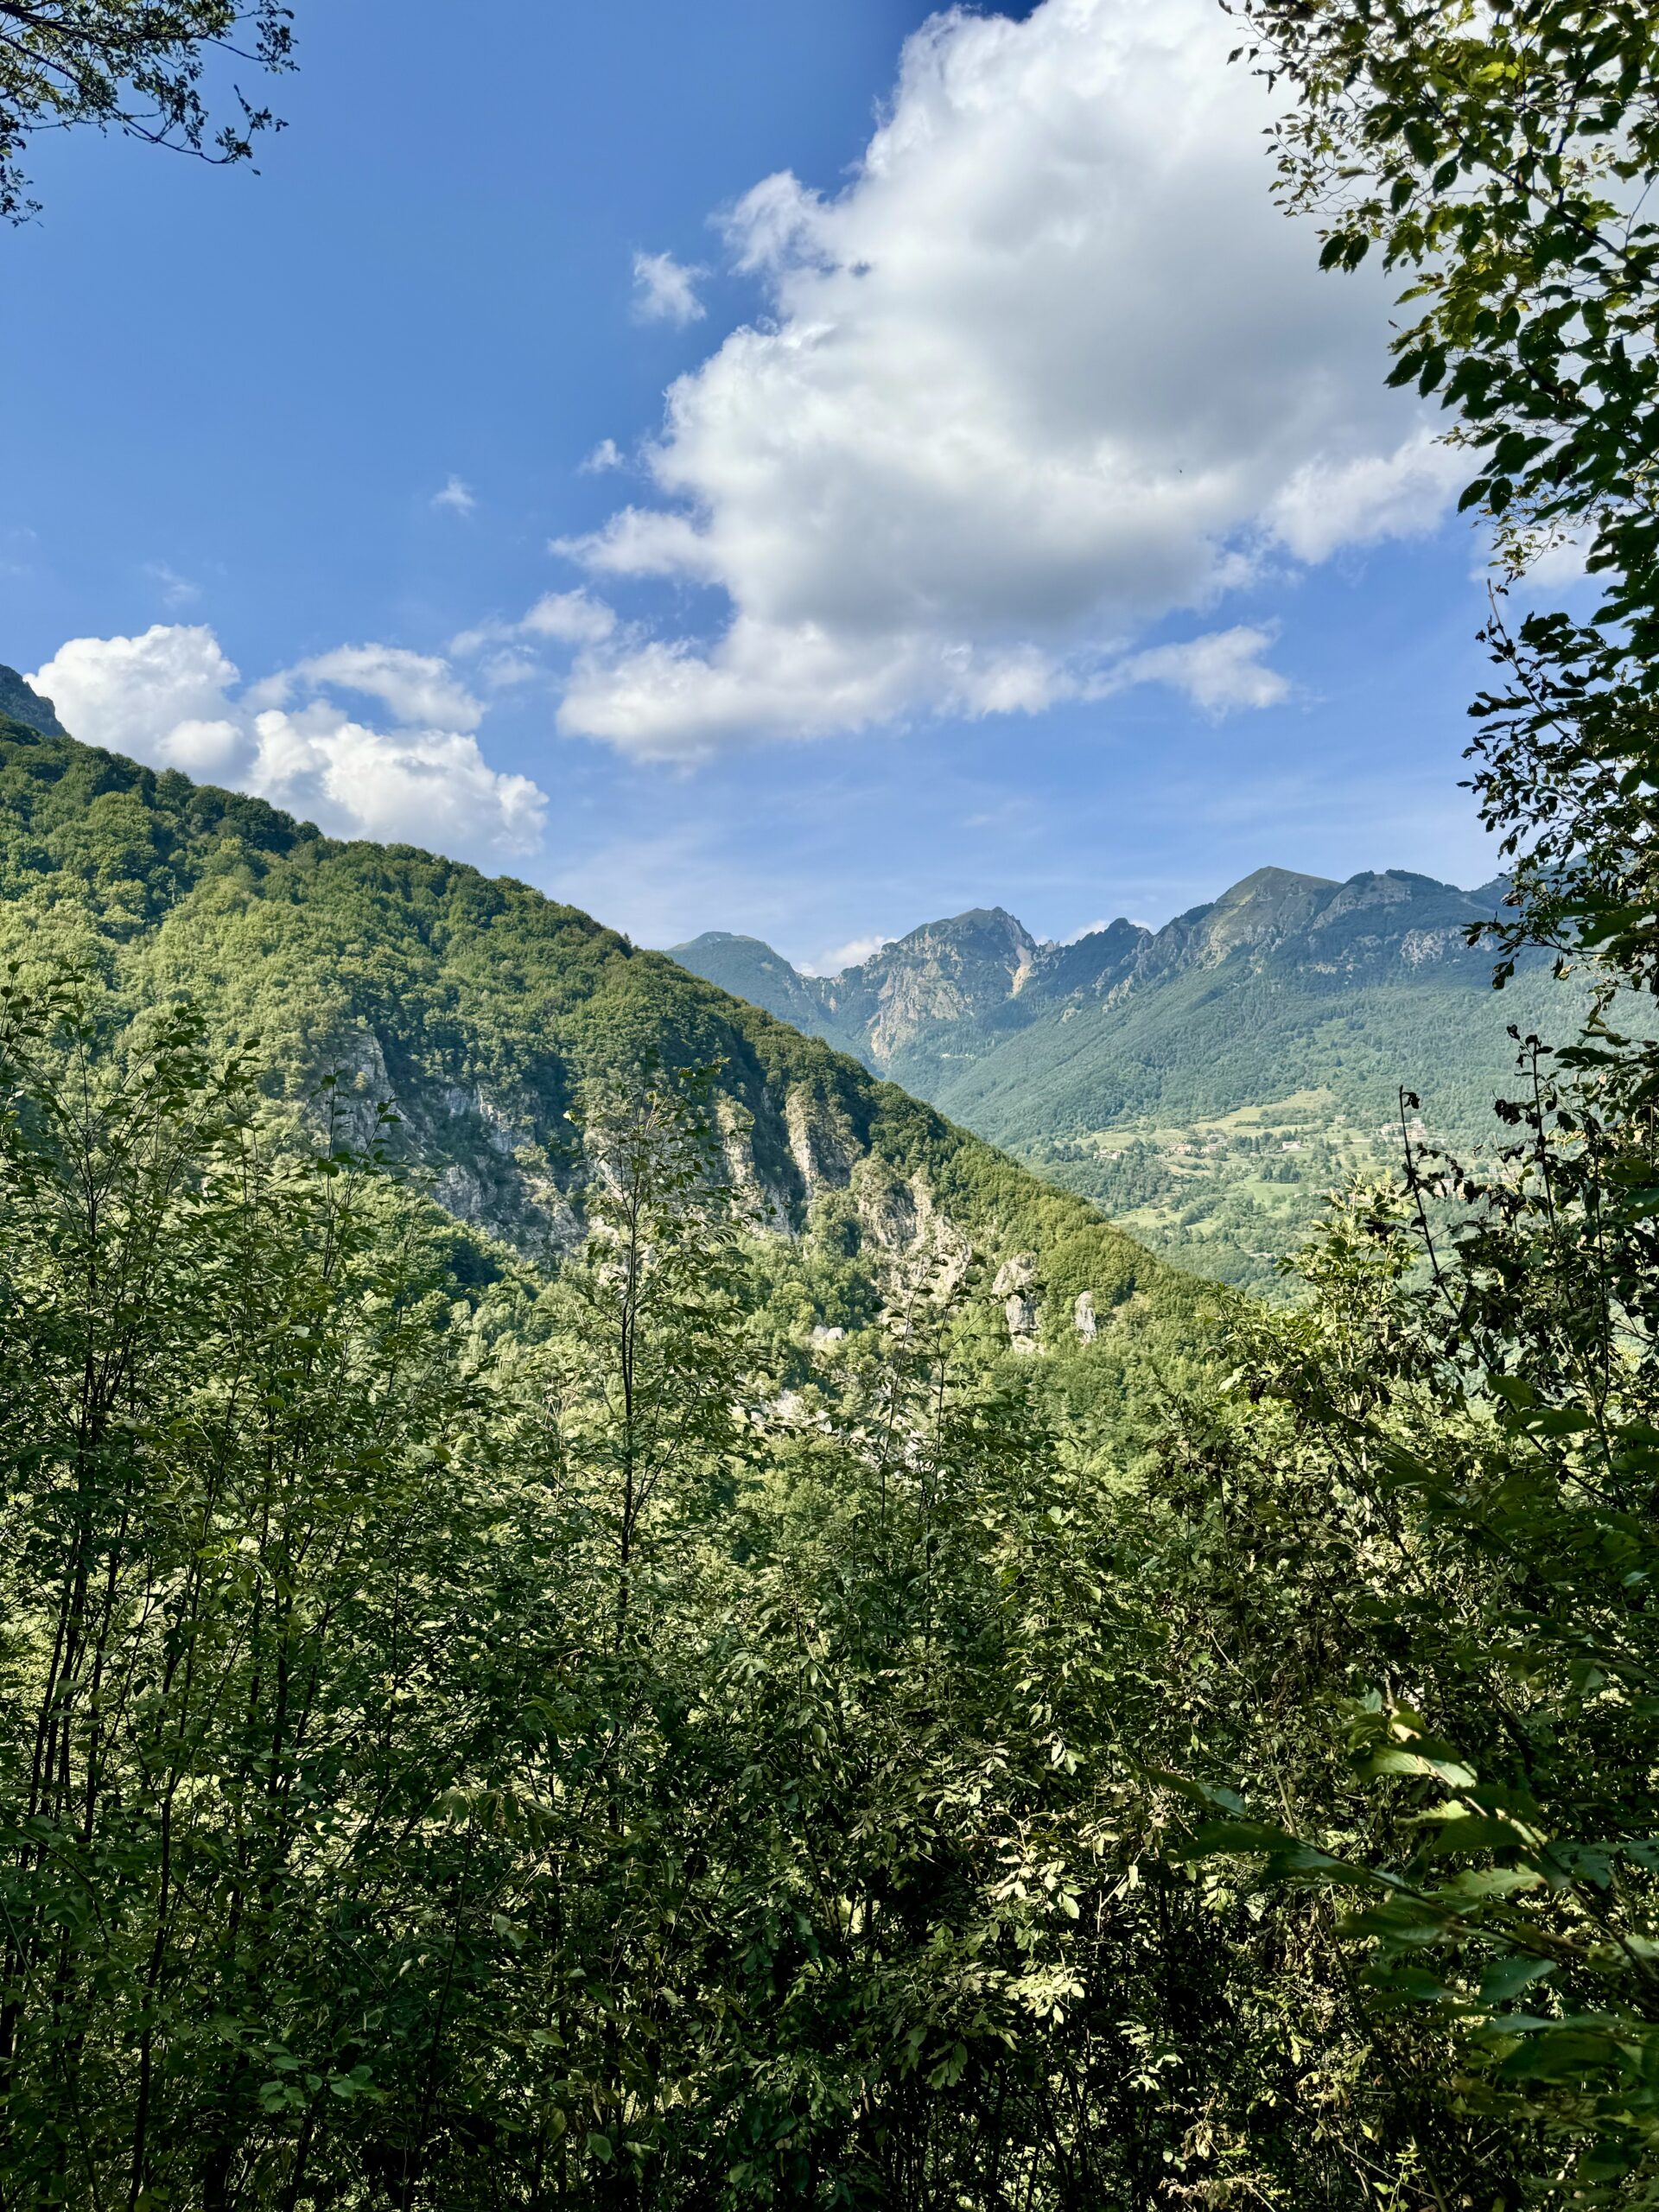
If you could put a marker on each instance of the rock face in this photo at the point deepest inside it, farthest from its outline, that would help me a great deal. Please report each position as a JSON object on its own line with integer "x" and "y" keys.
{"x": 1017, "y": 1286}
{"x": 474, "y": 1011}
{"x": 24, "y": 704}
{"x": 497, "y": 1167}
{"x": 1082, "y": 1317}
{"x": 944, "y": 973}
{"x": 941, "y": 974}
{"x": 821, "y": 1148}
{"x": 953, "y": 990}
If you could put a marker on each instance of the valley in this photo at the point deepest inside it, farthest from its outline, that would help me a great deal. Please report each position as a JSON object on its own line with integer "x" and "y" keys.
{"x": 1207, "y": 1084}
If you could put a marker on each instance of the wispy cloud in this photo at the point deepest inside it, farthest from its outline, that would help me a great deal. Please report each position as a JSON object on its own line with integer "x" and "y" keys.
{"x": 176, "y": 591}
{"x": 457, "y": 497}
{"x": 562, "y": 618}
{"x": 665, "y": 291}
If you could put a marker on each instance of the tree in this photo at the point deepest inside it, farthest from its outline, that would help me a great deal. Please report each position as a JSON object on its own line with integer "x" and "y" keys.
{"x": 1502, "y": 156}
{"x": 1473, "y": 1389}
{"x": 260, "y": 1661}
{"x": 133, "y": 65}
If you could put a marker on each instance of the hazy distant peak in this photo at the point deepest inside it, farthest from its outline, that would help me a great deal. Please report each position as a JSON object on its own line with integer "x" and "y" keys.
{"x": 721, "y": 936}
{"x": 1273, "y": 891}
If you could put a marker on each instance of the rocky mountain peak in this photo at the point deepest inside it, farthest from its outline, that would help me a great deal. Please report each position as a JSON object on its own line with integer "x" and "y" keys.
{"x": 954, "y": 990}
{"x": 958, "y": 969}
{"x": 1265, "y": 904}
{"x": 21, "y": 702}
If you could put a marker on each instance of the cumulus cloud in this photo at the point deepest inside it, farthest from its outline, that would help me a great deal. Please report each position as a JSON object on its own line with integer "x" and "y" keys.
{"x": 1217, "y": 672}
{"x": 606, "y": 454}
{"x": 457, "y": 496}
{"x": 566, "y": 618}
{"x": 665, "y": 291}
{"x": 131, "y": 694}
{"x": 1051, "y": 369}
{"x": 172, "y": 697}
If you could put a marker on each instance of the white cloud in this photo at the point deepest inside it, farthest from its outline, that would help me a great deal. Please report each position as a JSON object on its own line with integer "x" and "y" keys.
{"x": 1330, "y": 504}
{"x": 571, "y": 618}
{"x": 853, "y": 954}
{"x": 1051, "y": 368}
{"x": 665, "y": 291}
{"x": 170, "y": 697}
{"x": 606, "y": 454}
{"x": 131, "y": 694}
{"x": 566, "y": 618}
{"x": 202, "y": 748}
{"x": 644, "y": 542}
{"x": 503, "y": 671}
{"x": 457, "y": 496}
{"x": 416, "y": 687}
{"x": 1218, "y": 672}
{"x": 407, "y": 785}
{"x": 775, "y": 223}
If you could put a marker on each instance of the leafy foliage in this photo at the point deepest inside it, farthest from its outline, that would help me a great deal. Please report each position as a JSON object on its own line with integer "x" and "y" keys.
{"x": 492, "y": 1745}
{"x": 1470, "y": 1401}
{"x": 1501, "y": 155}
{"x": 135, "y": 65}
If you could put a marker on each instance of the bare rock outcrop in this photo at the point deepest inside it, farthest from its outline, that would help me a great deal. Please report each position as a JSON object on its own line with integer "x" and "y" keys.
{"x": 1016, "y": 1285}
{"x": 822, "y": 1148}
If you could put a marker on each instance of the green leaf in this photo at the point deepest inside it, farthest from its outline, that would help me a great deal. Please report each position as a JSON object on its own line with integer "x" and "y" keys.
{"x": 1506, "y": 1978}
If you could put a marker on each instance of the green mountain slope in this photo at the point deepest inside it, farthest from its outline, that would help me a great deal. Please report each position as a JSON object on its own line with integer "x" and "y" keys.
{"x": 477, "y": 1007}
{"x": 1205, "y": 1083}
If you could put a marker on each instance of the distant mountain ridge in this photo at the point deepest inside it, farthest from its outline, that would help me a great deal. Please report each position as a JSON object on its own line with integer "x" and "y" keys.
{"x": 1153, "y": 1069}
{"x": 912, "y": 998}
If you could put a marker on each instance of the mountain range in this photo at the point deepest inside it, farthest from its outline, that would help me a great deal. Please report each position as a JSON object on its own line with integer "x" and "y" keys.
{"x": 1202, "y": 1085}
{"x": 477, "y": 1008}
{"x": 1206, "y": 1082}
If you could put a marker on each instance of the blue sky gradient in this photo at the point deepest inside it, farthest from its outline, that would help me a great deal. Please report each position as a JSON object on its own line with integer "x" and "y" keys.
{"x": 230, "y": 401}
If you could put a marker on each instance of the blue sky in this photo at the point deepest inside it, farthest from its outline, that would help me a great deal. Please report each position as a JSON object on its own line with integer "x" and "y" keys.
{"x": 1028, "y": 524}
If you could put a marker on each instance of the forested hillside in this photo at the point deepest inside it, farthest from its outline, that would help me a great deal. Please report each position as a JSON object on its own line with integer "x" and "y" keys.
{"x": 1208, "y": 1084}
{"x": 600, "y": 1611}
{"x": 478, "y": 1007}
